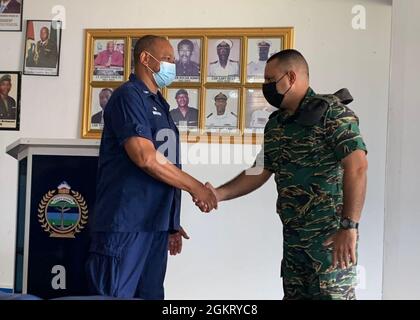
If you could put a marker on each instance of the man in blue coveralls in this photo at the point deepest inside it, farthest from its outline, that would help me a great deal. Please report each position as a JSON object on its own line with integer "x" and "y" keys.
{"x": 136, "y": 219}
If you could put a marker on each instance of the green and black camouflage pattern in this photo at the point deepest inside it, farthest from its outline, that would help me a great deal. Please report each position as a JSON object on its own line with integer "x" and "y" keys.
{"x": 306, "y": 276}
{"x": 304, "y": 151}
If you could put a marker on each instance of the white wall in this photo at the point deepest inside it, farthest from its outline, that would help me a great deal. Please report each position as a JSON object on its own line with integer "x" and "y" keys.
{"x": 236, "y": 252}
{"x": 402, "y": 220}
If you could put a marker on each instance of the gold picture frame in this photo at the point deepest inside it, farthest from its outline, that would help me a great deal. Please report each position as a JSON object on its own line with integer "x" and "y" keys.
{"x": 241, "y": 74}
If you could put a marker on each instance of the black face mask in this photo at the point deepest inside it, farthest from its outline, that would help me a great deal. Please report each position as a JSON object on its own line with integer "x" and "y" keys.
{"x": 271, "y": 94}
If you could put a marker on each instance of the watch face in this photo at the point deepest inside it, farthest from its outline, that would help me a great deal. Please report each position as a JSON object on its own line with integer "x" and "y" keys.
{"x": 345, "y": 223}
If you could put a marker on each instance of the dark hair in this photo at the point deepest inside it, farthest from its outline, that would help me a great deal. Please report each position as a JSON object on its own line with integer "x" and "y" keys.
{"x": 7, "y": 78}
{"x": 106, "y": 89}
{"x": 290, "y": 57}
{"x": 186, "y": 42}
{"x": 145, "y": 43}
{"x": 46, "y": 28}
{"x": 181, "y": 91}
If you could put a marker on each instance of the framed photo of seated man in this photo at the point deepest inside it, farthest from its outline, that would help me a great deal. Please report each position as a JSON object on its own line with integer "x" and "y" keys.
{"x": 108, "y": 57}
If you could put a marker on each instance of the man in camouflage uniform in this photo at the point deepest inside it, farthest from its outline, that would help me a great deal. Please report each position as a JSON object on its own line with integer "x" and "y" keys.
{"x": 313, "y": 146}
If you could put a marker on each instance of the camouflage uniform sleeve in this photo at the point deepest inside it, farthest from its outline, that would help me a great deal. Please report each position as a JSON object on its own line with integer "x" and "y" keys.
{"x": 343, "y": 133}
{"x": 265, "y": 158}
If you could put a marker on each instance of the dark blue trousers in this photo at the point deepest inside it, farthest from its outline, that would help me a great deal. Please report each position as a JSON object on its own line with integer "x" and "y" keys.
{"x": 128, "y": 265}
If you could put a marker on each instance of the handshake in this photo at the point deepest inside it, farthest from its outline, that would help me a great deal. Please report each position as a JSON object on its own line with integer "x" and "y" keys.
{"x": 206, "y": 197}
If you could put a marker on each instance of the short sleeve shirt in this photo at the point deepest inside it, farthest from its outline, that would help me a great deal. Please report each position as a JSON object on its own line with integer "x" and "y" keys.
{"x": 306, "y": 161}
{"x": 127, "y": 198}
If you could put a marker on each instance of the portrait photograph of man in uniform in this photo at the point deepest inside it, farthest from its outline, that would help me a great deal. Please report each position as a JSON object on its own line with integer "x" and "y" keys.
{"x": 258, "y": 111}
{"x": 224, "y": 59}
{"x": 187, "y": 59}
{"x": 138, "y": 198}
{"x": 9, "y": 100}
{"x": 259, "y": 50}
{"x": 314, "y": 148}
{"x": 222, "y": 110}
{"x": 184, "y": 113}
{"x": 43, "y": 40}
{"x": 100, "y": 100}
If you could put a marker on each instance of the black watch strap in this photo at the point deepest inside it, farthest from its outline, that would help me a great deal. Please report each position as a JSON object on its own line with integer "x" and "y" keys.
{"x": 346, "y": 223}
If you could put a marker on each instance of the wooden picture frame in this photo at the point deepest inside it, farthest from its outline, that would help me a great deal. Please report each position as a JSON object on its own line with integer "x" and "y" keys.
{"x": 209, "y": 60}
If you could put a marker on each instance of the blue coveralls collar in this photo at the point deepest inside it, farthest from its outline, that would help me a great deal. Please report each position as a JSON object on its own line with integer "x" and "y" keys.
{"x": 142, "y": 86}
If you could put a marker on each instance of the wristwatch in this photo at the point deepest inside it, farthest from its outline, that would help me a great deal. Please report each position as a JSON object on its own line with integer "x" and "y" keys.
{"x": 346, "y": 223}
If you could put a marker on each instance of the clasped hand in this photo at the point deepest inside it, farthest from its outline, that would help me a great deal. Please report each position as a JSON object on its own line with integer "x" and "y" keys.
{"x": 205, "y": 198}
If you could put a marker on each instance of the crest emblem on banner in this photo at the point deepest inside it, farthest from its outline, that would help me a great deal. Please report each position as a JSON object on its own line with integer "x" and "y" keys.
{"x": 62, "y": 212}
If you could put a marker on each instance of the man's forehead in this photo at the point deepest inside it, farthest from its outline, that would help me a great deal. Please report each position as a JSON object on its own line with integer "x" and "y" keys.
{"x": 163, "y": 47}
{"x": 272, "y": 67}
{"x": 269, "y": 69}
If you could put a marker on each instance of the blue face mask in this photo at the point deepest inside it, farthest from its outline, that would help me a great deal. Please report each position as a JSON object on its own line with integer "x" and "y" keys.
{"x": 166, "y": 74}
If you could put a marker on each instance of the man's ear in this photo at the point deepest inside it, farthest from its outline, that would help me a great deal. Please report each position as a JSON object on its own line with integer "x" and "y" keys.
{"x": 144, "y": 58}
{"x": 292, "y": 77}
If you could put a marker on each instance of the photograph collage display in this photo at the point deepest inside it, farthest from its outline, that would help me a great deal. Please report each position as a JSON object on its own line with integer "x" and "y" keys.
{"x": 218, "y": 84}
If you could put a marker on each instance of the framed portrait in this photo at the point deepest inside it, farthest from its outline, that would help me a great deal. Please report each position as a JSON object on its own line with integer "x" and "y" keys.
{"x": 42, "y": 48}
{"x": 11, "y": 15}
{"x": 108, "y": 60}
{"x": 257, "y": 111}
{"x": 187, "y": 59}
{"x": 224, "y": 62}
{"x": 10, "y": 85}
{"x": 184, "y": 110}
{"x": 133, "y": 45}
{"x": 259, "y": 51}
{"x": 100, "y": 97}
{"x": 216, "y": 96}
{"x": 222, "y": 110}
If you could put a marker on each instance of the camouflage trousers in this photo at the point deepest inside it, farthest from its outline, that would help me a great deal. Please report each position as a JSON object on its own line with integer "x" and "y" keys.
{"x": 307, "y": 275}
